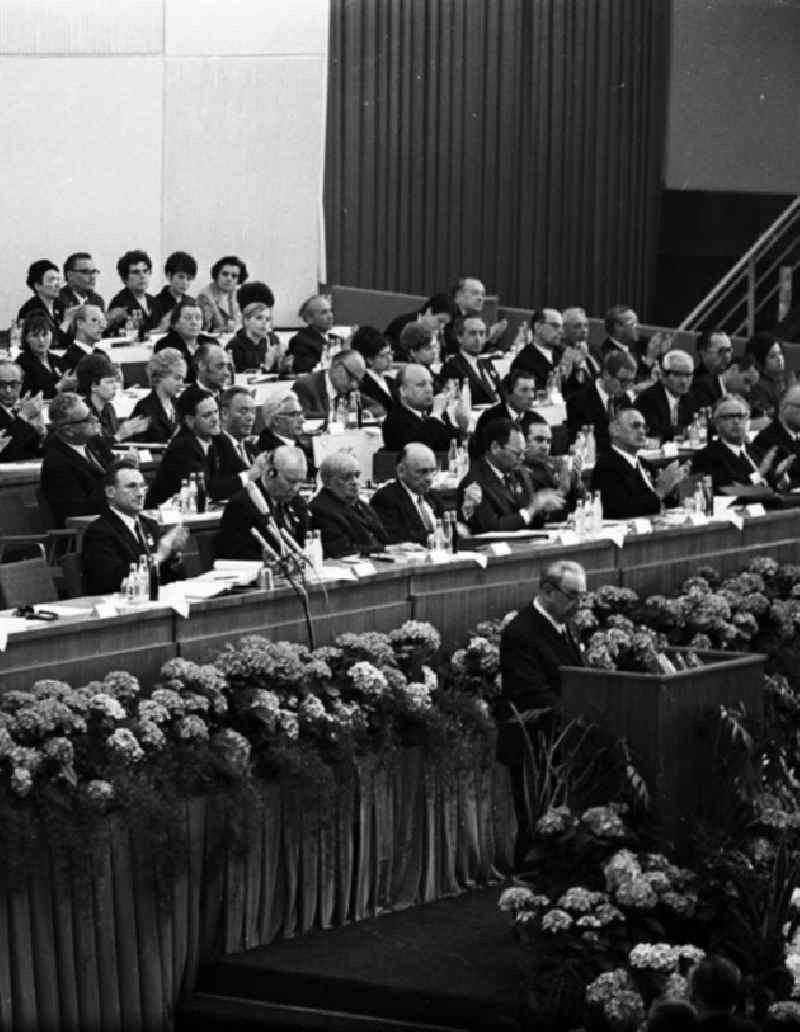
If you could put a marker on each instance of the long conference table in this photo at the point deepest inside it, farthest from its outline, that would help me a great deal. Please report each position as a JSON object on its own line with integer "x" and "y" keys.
{"x": 453, "y": 595}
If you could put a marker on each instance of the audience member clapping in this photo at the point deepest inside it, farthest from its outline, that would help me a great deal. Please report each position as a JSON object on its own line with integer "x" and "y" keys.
{"x": 43, "y": 372}
{"x": 254, "y": 346}
{"x": 166, "y": 372}
{"x": 420, "y": 416}
{"x": 467, "y": 367}
{"x": 98, "y": 383}
{"x": 44, "y": 280}
{"x": 601, "y": 399}
{"x": 21, "y": 425}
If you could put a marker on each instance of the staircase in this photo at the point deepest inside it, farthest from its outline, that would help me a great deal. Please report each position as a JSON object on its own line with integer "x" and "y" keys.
{"x": 757, "y": 291}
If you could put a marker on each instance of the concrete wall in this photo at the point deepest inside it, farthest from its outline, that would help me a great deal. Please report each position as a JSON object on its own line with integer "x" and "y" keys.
{"x": 165, "y": 125}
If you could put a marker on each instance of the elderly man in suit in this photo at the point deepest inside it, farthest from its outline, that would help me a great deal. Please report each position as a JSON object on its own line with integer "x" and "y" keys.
{"x": 534, "y": 647}
{"x": 121, "y": 535}
{"x": 622, "y": 335}
{"x": 714, "y": 351}
{"x": 498, "y": 494}
{"x": 668, "y": 405}
{"x": 729, "y": 460}
{"x": 268, "y": 505}
{"x": 596, "y": 403}
{"x": 541, "y": 357}
{"x": 782, "y": 433}
{"x": 467, "y": 367}
{"x": 420, "y": 416}
{"x": 317, "y": 391}
{"x": 308, "y": 344}
{"x": 407, "y": 506}
{"x": 75, "y": 460}
{"x": 348, "y": 525}
{"x": 21, "y": 426}
{"x": 626, "y": 488}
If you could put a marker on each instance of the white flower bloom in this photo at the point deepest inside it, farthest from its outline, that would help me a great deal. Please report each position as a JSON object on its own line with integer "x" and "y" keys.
{"x": 124, "y": 742}
{"x": 556, "y": 921}
{"x": 107, "y": 705}
{"x": 516, "y": 897}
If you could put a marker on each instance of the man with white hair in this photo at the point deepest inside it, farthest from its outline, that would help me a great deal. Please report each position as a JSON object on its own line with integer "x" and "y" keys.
{"x": 307, "y": 345}
{"x": 668, "y": 406}
{"x": 730, "y": 460}
{"x": 21, "y": 426}
{"x": 579, "y": 365}
{"x": 283, "y": 424}
{"x": 407, "y": 506}
{"x": 269, "y": 505}
{"x": 348, "y": 525}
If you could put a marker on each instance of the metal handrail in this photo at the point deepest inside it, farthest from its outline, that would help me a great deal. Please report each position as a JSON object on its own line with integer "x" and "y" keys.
{"x": 745, "y": 265}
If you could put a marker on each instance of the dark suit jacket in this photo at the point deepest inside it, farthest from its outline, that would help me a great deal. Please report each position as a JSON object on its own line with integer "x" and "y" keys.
{"x": 312, "y": 393}
{"x": 654, "y": 406}
{"x": 25, "y": 442}
{"x": 173, "y": 339}
{"x": 69, "y": 299}
{"x": 372, "y": 389}
{"x": 719, "y": 462}
{"x": 306, "y": 348}
{"x": 61, "y": 338}
{"x": 500, "y": 505}
{"x": 37, "y": 377}
{"x": 773, "y": 435}
{"x": 532, "y": 653}
{"x": 623, "y": 491}
{"x": 162, "y": 305}
{"x": 184, "y": 456}
{"x": 127, "y": 299}
{"x": 161, "y": 426}
{"x": 402, "y": 426}
{"x": 636, "y": 351}
{"x": 75, "y": 353}
{"x": 586, "y": 407}
{"x": 533, "y": 361}
{"x": 109, "y": 548}
{"x": 71, "y": 485}
{"x": 399, "y": 514}
{"x": 491, "y": 415}
{"x": 706, "y": 390}
{"x": 346, "y": 529}
{"x": 249, "y": 355}
{"x": 485, "y": 390}
{"x": 235, "y": 541}
{"x": 269, "y": 441}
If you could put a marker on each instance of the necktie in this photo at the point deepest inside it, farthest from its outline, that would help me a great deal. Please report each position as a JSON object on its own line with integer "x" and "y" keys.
{"x": 141, "y": 538}
{"x": 644, "y": 474}
{"x": 425, "y": 514}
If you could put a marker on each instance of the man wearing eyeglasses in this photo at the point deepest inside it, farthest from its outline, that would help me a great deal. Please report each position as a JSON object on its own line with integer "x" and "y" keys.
{"x": 667, "y": 406}
{"x": 80, "y": 275}
{"x": 21, "y": 426}
{"x": 625, "y": 485}
{"x": 534, "y": 647}
{"x": 497, "y": 494}
{"x": 622, "y": 335}
{"x": 348, "y": 525}
{"x": 599, "y": 401}
{"x": 714, "y": 352}
{"x": 782, "y": 433}
{"x": 729, "y": 460}
{"x": 316, "y": 391}
{"x": 283, "y": 424}
{"x": 75, "y": 460}
{"x": 542, "y": 356}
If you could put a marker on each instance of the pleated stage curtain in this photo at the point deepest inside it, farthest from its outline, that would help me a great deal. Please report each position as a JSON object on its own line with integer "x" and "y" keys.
{"x": 517, "y": 140}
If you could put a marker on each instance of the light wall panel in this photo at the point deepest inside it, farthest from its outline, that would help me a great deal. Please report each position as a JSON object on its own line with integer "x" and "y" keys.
{"x": 246, "y": 27}
{"x": 88, "y": 27}
{"x": 243, "y": 167}
{"x": 81, "y": 164}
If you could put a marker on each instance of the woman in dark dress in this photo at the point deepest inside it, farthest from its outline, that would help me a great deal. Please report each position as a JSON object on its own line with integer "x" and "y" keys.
{"x": 186, "y": 322}
{"x": 255, "y": 346}
{"x": 767, "y": 350}
{"x": 42, "y": 372}
{"x": 166, "y": 372}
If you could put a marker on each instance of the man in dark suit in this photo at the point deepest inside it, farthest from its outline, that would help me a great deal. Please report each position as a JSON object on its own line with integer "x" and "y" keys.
{"x": 467, "y": 367}
{"x": 283, "y": 424}
{"x": 75, "y": 460}
{"x": 541, "y": 357}
{"x": 316, "y": 391}
{"x": 21, "y": 426}
{"x": 497, "y": 494}
{"x": 730, "y": 460}
{"x": 782, "y": 433}
{"x": 579, "y": 362}
{"x": 519, "y": 392}
{"x": 668, "y": 406}
{"x": 407, "y": 506}
{"x": 534, "y": 647}
{"x": 268, "y": 505}
{"x": 622, "y": 334}
{"x": 469, "y": 295}
{"x": 348, "y": 525}
{"x": 437, "y": 312}
{"x": 121, "y": 535}
{"x": 598, "y": 401}
{"x": 714, "y": 352}
{"x": 738, "y": 377}
{"x": 199, "y": 446}
{"x": 307, "y": 346}
{"x": 626, "y": 488}
{"x": 237, "y": 413}
{"x": 420, "y": 416}
{"x": 80, "y": 278}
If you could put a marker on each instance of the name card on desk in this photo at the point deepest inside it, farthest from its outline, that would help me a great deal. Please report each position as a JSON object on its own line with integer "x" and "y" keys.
{"x": 500, "y": 548}
{"x": 641, "y": 525}
{"x": 364, "y": 568}
{"x": 568, "y": 537}
{"x": 105, "y": 609}
{"x": 477, "y": 557}
{"x": 698, "y": 519}
{"x": 756, "y": 509}
{"x": 669, "y": 450}
{"x": 735, "y": 519}
{"x": 615, "y": 534}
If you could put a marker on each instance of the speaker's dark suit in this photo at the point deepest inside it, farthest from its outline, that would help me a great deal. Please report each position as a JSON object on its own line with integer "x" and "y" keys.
{"x": 400, "y": 516}
{"x": 654, "y": 406}
{"x": 184, "y": 455}
{"x": 586, "y": 407}
{"x": 162, "y": 427}
{"x": 724, "y": 467}
{"x": 499, "y": 508}
{"x": 623, "y": 490}
{"x": 234, "y": 540}
{"x": 533, "y": 361}
{"x": 346, "y": 529}
{"x": 402, "y": 426}
{"x": 771, "y": 436}
{"x": 72, "y": 485}
{"x": 484, "y": 388}
{"x": 109, "y": 548}
{"x": 25, "y": 442}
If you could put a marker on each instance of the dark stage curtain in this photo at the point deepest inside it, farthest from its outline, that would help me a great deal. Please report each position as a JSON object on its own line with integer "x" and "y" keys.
{"x": 517, "y": 140}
